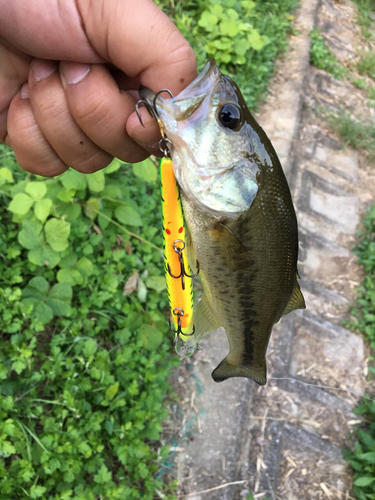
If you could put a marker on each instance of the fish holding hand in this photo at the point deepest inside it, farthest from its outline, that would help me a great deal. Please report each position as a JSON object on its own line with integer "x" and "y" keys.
{"x": 240, "y": 223}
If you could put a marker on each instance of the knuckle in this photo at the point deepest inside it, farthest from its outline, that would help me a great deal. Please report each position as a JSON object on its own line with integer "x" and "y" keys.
{"x": 94, "y": 162}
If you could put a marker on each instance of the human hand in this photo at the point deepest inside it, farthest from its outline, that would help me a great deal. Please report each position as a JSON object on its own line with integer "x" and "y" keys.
{"x": 69, "y": 72}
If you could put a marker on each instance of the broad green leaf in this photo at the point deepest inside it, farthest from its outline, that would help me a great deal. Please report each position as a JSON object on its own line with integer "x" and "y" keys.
{"x": 44, "y": 256}
{"x": 146, "y": 170}
{"x": 113, "y": 167}
{"x": 69, "y": 260}
{"x": 151, "y": 337}
{"x": 43, "y": 312}
{"x": 142, "y": 291}
{"x": 255, "y": 40}
{"x": 42, "y": 209}
{"x": 5, "y": 175}
{"x": 37, "y": 491}
{"x": 21, "y": 204}
{"x": 92, "y": 207}
{"x": 57, "y": 232}
{"x": 85, "y": 267}
{"x": 364, "y": 481}
{"x": 231, "y": 14}
{"x": 61, "y": 291}
{"x": 103, "y": 221}
{"x": 108, "y": 427}
{"x": 156, "y": 283}
{"x": 70, "y": 210}
{"x": 69, "y": 476}
{"x": 31, "y": 235}
{"x": 70, "y": 276}
{"x": 36, "y": 190}
{"x": 103, "y": 476}
{"x": 59, "y": 299}
{"x": 73, "y": 180}
{"x": 37, "y": 288}
{"x": 229, "y": 28}
{"x": 366, "y": 438}
{"x": 66, "y": 195}
{"x": 112, "y": 191}
{"x": 208, "y": 21}
{"x": 127, "y": 215}
{"x": 96, "y": 181}
{"x": 111, "y": 392}
{"x": 369, "y": 457}
{"x": 90, "y": 347}
{"x": 216, "y": 9}
{"x": 6, "y": 447}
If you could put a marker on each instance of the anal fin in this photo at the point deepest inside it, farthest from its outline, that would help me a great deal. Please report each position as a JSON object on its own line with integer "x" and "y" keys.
{"x": 296, "y": 300}
{"x": 205, "y": 322}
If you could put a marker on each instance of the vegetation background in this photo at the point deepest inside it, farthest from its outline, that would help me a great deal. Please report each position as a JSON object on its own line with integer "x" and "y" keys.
{"x": 86, "y": 352}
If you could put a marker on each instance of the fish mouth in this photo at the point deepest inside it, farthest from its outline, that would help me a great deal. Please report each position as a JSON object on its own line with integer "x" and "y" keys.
{"x": 182, "y": 106}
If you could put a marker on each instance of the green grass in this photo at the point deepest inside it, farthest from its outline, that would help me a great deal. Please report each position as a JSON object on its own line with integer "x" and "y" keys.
{"x": 362, "y": 458}
{"x": 366, "y": 65}
{"x": 355, "y": 132}
{"x": 322, "y": 57}
{"x": 365, "y": 18}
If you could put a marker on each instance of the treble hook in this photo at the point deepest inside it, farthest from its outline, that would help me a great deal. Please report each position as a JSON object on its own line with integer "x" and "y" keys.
{"x": 183, "y": 273}
{"x": 151, "y": 106}
{"x": 179, "y": 312}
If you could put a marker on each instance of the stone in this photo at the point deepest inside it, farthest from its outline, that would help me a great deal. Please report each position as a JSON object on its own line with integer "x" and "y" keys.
{"x": 344, "y": 162}
{"x": 328, "y": 355}
{"x": 321, "y": 260}
{"x": 320, "y": 300}
{"x": 329, "y": 201}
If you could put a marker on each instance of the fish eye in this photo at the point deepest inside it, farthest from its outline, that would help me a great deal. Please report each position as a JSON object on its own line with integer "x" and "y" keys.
{"x": 230, "y": 116}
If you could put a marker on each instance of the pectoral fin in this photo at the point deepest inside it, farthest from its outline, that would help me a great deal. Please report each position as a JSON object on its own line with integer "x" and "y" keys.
{"x": 296, "y": 301}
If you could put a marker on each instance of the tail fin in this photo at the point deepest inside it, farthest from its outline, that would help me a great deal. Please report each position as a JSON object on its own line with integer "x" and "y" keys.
{"x": 225, "y": 370}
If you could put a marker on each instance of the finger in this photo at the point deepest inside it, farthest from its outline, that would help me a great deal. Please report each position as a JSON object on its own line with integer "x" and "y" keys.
{"x": 121, "y": 31}
{"x": 13, "y": 74}
{"x": 32, "y": 150}
{"x": 100, "y": 109}
{"x": 51, "y": 110}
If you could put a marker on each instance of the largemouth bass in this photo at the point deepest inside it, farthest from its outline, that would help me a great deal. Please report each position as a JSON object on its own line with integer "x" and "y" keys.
{"x": 240, "y": 222}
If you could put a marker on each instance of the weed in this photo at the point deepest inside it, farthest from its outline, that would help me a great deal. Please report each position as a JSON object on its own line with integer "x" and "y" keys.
{"x": 359, "y": 83}
{"x": 83, "y": 368}
{"x": 366, "y": 65}
{"x": 362, "y": 459}
{"x": 244, "y": 36}
{"x": 359, "y": 134}
{"x": 322, "y": 57}
{"x": 366, "y": 18}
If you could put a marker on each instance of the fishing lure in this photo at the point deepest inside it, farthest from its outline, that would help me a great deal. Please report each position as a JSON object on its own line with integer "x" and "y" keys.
{"x": 177, "y": 269}
{"x": 180, "y": 290}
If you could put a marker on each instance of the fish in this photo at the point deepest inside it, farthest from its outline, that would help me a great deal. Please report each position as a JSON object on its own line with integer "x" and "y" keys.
{"x": 241, "y": 225}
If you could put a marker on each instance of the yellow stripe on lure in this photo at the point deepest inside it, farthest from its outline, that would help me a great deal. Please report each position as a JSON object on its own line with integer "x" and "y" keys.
{"x": 180, "y": 290}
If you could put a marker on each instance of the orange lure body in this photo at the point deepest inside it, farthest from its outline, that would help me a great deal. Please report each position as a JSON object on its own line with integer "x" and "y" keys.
{"x": 180, "y": 289}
